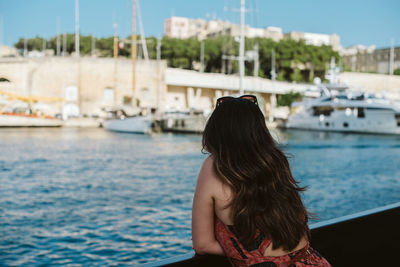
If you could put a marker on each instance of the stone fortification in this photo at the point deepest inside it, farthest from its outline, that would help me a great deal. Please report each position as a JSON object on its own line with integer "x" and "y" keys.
{"x": 51, "y": 76}
{"x": 373, "y": 83}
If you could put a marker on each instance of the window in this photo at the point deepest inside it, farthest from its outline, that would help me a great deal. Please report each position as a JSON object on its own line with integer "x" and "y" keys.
{"x": 360, "y": 113}
{"x": 345, "y": 124}
{"x": 397, "y": 116}
{"x": 323, "y": 110}
{"x": 108, "y": 96}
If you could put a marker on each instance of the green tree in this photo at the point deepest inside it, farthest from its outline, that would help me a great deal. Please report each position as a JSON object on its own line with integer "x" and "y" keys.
{"x": 281, "y": 75}
{"x": 288, "y": 98}
{"x": 296, "y": 76}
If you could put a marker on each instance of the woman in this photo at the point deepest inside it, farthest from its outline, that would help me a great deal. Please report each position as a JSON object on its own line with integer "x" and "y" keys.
{"x": 247, "y": 204}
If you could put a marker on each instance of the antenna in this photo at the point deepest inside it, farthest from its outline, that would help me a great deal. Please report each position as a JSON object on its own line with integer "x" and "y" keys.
{"x": 93, "y": 46}
{"x": 241, "y": 47}
{"x": 58, "y": 37}
{"x": 256, "y": 60}
{"x": 64, "y": 52}
{"x": 202, "y": 56}
{"x": 25, "y": 47}
{"x": 1, "y": 30}
{"x": 391, "y": 58}
{"x": 115, "y": 62}
{"x": 158, "y": 49}
{"x": 77, "y": 28}
{"x": 44, "y": 46}
{"x": 273, "y": 71}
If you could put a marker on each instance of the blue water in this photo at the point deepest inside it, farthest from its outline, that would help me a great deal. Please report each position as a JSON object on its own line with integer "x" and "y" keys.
{"x": 87, "y": 197}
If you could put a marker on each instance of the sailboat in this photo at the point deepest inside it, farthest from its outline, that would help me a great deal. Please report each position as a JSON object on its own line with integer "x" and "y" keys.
{"x": 120, "y": 121}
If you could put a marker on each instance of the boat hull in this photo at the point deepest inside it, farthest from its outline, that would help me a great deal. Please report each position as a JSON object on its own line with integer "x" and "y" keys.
{"x": 137, "y": 125}
{"x": 184, "y": 124}
{"x": 374, "y": 122}
{"x": 28, "y": 121}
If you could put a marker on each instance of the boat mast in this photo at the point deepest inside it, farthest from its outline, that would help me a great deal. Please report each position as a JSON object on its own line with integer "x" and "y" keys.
{"x": 142, "y": 35}
{"x": 202, "y": 56}
{"x": 241, "y": 47}
{"x": 115, "y": 62}
{"x": 1, "y": 30}
{"x": 58, "y": 37}
{"x": 133, "y": 53}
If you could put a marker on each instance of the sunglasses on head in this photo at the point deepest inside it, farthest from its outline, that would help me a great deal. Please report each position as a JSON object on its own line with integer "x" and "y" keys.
{"x": 223, "y": 99}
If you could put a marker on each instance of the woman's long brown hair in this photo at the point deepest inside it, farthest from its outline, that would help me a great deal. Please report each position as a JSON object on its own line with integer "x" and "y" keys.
{"x": 246, "y": 157}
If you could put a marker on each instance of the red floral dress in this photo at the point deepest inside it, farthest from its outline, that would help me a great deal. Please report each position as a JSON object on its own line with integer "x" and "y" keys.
{"x": 240, "y": 255}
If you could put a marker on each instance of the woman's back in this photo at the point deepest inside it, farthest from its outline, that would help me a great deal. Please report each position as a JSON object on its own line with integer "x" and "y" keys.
{"x": 222, "y": 195}
{"x": 246, "y": 190}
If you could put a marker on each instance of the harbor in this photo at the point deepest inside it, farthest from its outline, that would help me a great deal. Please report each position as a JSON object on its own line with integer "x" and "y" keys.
{"x": 91, "y": 197}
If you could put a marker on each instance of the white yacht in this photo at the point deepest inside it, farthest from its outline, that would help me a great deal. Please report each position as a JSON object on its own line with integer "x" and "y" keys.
{"x": 347, "y": 112}
{"x": 118, "y": 121}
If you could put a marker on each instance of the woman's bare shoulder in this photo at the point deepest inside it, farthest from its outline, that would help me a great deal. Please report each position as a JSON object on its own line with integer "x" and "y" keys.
{"x": 207, "y": 177}
{"x": 208, "y": 169}
{"x": 218, "y": 189}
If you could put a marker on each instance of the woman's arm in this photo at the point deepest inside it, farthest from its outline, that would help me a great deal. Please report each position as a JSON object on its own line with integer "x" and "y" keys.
{"x": 203, "y": 236}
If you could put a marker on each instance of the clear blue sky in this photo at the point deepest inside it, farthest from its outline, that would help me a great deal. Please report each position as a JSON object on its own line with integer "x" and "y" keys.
{"x": 355, "y": 21}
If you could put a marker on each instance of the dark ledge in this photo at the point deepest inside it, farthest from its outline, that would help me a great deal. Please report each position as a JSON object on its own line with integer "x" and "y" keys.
{"x": 369, "y": 238}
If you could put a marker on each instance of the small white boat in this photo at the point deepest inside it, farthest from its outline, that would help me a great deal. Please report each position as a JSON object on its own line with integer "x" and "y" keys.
{"x": 136, "y": 124}
{"x": 183, "y": 122}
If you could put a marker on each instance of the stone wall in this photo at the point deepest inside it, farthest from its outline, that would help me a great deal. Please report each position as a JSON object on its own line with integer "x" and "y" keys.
{"x": 373, "y": 83}
{"x": 50, "y": 76}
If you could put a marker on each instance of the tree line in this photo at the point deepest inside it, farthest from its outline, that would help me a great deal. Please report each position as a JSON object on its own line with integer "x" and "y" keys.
{"x": 294, "y": 60}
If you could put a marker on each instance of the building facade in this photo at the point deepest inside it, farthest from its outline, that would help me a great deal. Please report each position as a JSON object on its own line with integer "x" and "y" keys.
{"x": 8, "y": 51}
{"x": 316, "y": 39}
{"x": 360, "y": 58}
{"x": 182, "y": 28}
{"x": 86, "y": 86}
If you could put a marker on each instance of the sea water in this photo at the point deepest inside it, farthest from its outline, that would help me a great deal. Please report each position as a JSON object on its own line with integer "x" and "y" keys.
{"x": 88, "y": 197}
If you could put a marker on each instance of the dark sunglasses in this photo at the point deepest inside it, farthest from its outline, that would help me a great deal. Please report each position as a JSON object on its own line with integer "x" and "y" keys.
{"x": 223, "y": 99}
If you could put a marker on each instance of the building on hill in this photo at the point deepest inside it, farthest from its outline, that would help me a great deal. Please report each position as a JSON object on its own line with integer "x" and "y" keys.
{"x": 359, "y": 58}
{"x": 316, "y": 39}
{"x": 182, "y": 28}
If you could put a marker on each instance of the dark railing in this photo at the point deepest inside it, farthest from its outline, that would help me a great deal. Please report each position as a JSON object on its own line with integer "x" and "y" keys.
{"x": 369, "y": 238}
